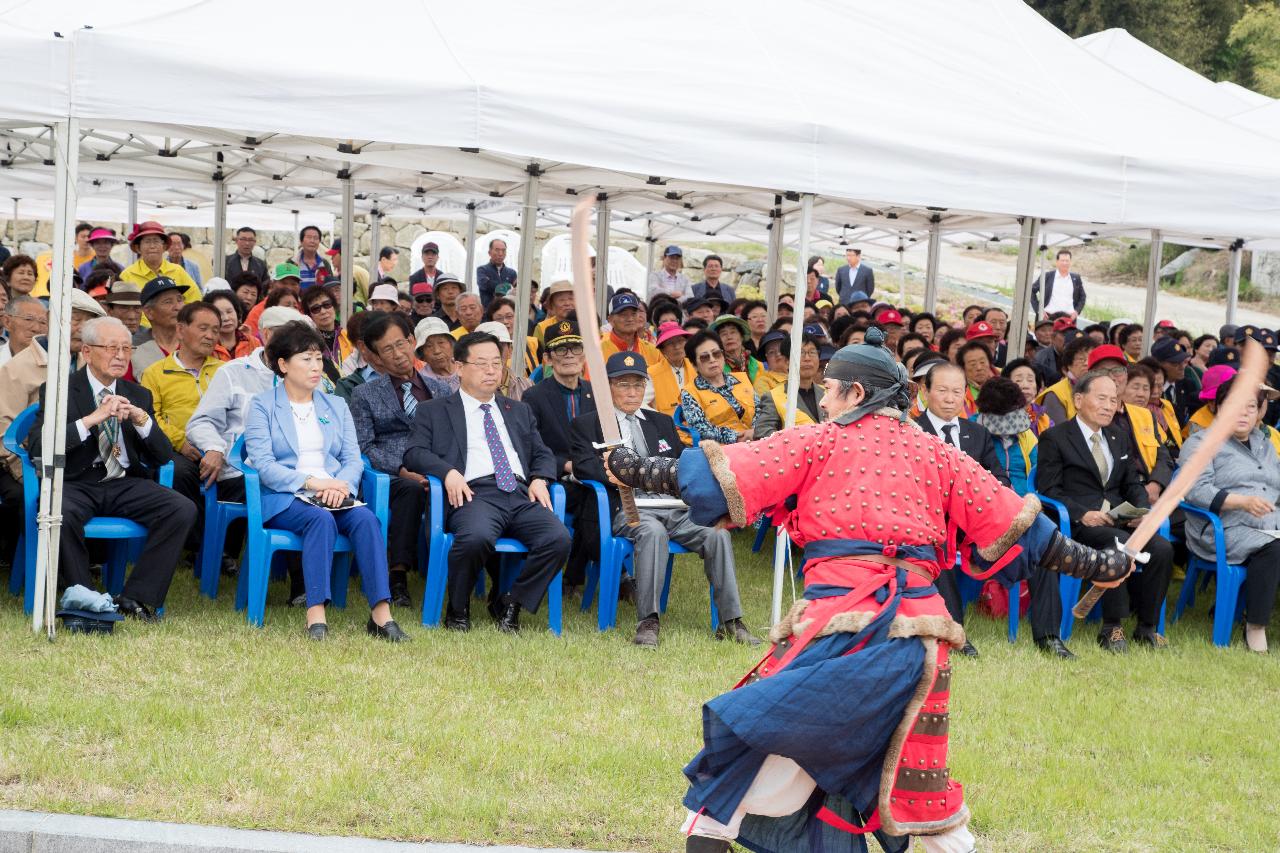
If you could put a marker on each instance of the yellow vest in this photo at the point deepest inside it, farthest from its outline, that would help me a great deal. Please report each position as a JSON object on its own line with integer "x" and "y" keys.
{"x": 767, "y": 380}
{"x": 1201, "y": 420}
{"x": 643, "y": 348}
{"x": 1274, "y": 435}
{"x": 779, "y": 395}
{"x": 718, "y": 411}
{"x": 1144, "y": 433}
{"x": 1062, "y": 390}
{"x": 666, "y": 390}
{"x": 1170, "y": 418}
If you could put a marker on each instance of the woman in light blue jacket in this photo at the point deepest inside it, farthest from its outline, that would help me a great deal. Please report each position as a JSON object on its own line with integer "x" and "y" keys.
{"x": 303, "y": 444}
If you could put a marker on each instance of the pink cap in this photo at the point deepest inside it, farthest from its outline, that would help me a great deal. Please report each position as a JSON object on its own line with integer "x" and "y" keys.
{"x": 1213, "y": 379}
{"x": 669, "y": 330}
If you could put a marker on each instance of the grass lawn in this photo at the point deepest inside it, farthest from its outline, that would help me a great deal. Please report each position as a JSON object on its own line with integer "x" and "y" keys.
{"x": 579, "y": 741}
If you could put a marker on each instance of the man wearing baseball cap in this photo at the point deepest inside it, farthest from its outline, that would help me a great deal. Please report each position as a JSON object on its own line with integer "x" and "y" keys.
{"x": 429, "y": 271}
{"x": 359, "y": 275}
{"x": 981, "y": 331}
{"x": 151, "y": 243}
{"x": 491, "y": 276}
{"x": 1181, "y": 387}
{"x": 162, "y": 299}
{"x": 891, "y": 321}
{"x": 124, "y": 302}
{"x": 424, "y": 300}
{"x": 560, "y": 306}
{"x": 670, "y": 279}
{"x": 20, "y": 380}
{"x": 652, "y": 433}
{"x": 626, "y": 323}
{"x": 447, "y": 289}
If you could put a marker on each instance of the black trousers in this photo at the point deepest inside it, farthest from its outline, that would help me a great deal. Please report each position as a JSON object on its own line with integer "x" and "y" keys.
{"x": 1046, "y": 604}
{"x": 408, "y": 503}
{"x": 489, "y": 515}
{"x": 12, "y": 518}
{"x": 186, "y": 482}
{"x": 1261, "y": 582}
{"x": 167, "y": 515}
{"x": 230, "y": 490}
{"x": 580, "y": 502}
{"x": 1144, "y": 592}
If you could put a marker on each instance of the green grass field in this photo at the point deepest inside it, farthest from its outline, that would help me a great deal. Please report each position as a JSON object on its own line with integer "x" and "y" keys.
{"x": 579, "y": 741}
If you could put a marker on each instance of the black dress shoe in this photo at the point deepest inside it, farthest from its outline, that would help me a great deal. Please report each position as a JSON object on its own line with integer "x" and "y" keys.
{"x": 736, "y": 631}
{"x": 571, "y": 591}
{"x": 457, "y": 622}
{"x": 1055, "y": 647}
{"x": 136, "y": 610}
{"x": 627, "y": 590}
{"x": 400, "y": 594}
{"x": 1150, "y": 637}
{"x": 389, "y": 631}
{"x": 317, "y": 631}
{"x": 1112, "y": 639}
{"x": 969, "y": 650}
{"x": 229, "y": 566}
{"x": 508, "y": 617}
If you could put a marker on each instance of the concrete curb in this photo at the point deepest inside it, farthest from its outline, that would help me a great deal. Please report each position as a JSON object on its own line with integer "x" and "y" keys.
{"x": 39, "y": 832}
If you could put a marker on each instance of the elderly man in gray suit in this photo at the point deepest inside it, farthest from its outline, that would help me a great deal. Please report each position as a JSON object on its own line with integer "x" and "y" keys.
{"x": 383, "y": 410}
{"x": 855, "y": 277}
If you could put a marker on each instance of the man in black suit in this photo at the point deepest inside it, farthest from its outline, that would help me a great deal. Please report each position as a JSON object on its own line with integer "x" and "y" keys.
{"x": 944, "y": 417}
{"x": 1088, "y": 465}
{"x": 556, "y": 401}
{"x": 243, "y": 260}
{"x": 855, "y": 277}
{"x": 382, "y": 410}
{"x": 1063, "y": 290}
{"x": 651, "y": 433}
{"x": 1181, "y": 389}
{"x": 113, "y": 448}
{"x": 496, "y": 471}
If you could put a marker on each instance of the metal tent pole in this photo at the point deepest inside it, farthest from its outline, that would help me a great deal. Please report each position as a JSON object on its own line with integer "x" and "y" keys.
{"x": 602, "y": 257}
{"x": 651, "y": 250}
{"x": 131, "y": 198}
{"x": 1233, "y": 280}
{"x": 931, "y": 265}
{"x": 348, "y": 247}
{"x": 375, "y": 241}
{"x": 1153, "y": 288}
{"x": 66, "y": 135}
{"x": 15, "y": 225}
{"x": 219, "y": 225}
{"x": 1028, "y": 250}
{"x": 793, "y": 394}
{"x": 524, "y": 275}
{"x": 470, "y": 277}
{"x": 902, "y": 270}
{"x": 773, "y": 262}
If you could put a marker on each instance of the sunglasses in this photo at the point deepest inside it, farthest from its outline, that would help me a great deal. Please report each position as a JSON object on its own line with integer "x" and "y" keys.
{"x": 317, "y": 307}
{"x": 710, "y": 356}
{"x": 426, "y": 298}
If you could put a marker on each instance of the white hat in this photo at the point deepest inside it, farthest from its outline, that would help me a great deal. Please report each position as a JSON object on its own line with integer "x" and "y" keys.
{"x": 81, "y": 301}
{"x": 386, "y": 293}
{"x": 278, "y": 315}
{"x": 498, "y": 330}
{"x": 215, "y": 284}
{"x": 429, "y": 326}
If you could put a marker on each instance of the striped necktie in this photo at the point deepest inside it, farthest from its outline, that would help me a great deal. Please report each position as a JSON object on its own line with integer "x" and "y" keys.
{"x": 410, "y": 401}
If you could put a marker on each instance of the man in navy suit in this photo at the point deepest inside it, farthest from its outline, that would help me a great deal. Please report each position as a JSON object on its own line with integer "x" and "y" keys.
{"x": 383, "y": 410}
{"x": 496, "y": 472}
{"x": 113, "y": 449}
{"x": 854, "y": 277}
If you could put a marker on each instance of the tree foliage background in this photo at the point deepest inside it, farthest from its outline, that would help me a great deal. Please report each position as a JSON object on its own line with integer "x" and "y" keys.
{"x": 1222, "y": 39}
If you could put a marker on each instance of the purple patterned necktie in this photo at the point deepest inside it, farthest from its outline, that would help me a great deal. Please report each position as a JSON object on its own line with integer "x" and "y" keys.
{"x": 501, "y": 464}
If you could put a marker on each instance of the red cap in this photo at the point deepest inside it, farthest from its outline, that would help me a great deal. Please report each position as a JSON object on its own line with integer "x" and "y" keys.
{"x": 1105, "y": 352}
{"x": 421, "y": 289}
{"x": 889, "y": 315}
{"x": 1163, "y": 324}
{"x": 1063, "y": 323}
{"x": 979, "y": 329}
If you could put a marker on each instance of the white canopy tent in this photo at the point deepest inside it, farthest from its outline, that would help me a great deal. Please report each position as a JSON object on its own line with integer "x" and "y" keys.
{"x": 961, "y": 140}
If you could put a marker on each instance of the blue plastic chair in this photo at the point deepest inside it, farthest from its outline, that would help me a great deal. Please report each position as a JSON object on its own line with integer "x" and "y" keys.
{"x": 127, "y": 537}
{"x": 1228, "y": 604}
{"x": 971, "y": 590}
{"x": 616, "y": 555}
{"x": 263, "y": 543}
{"x": 218, "y": 515}
{"x": 438, "y": 561}
{"x": 678, "y": 417}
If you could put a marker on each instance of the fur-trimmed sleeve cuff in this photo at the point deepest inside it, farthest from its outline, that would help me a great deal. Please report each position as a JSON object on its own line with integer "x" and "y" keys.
{"x": 719, "y": 465}
{"x": 1017, "y": 526}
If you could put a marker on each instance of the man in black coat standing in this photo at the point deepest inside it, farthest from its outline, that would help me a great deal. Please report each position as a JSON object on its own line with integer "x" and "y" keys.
{"x": 1063, "y": 290}
{"x": 496, "y": 471}
{"x": 113, "y": 450}
{"x": 854, "y": 277}
{"x": 1088, "y": 465}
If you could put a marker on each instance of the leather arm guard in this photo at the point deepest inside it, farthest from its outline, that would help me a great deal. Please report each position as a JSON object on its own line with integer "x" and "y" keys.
{"x": 655, "y": 474}
{"x": 1067, "y": 556}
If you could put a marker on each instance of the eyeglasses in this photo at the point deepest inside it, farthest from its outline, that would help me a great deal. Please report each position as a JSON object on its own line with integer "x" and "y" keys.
{"x": 485, "y": 365}
{"x": 1117, "y": 372}
{"x": 573, "y": 349}
{"x": 39, "y": 321}
{"x": 710, "y": 356}
{"x": 114, "y": 349}
{"x": 317, "y": 307}
{"x": 425, "y": 298}
{"x": 391, "y": 349}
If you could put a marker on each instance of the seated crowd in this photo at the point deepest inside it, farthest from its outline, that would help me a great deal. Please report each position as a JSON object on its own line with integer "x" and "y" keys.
{"x": 419, "y": 385}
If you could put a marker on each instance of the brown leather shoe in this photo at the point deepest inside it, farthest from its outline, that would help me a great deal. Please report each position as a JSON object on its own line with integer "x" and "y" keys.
{"x": 736, "y": 631}
{"x": 647, "y": 632}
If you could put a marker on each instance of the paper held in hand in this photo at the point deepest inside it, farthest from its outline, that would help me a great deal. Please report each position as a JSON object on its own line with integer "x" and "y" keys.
{"x": 1127, "y": 512}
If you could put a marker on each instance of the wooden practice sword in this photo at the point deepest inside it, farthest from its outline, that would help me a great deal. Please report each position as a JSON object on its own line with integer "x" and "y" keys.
{"x": 589, "y": 327}
{"x": 1253, "y": 370}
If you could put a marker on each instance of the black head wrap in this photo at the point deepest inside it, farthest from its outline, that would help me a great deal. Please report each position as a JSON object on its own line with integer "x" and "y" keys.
{"x": 871, "y": 366}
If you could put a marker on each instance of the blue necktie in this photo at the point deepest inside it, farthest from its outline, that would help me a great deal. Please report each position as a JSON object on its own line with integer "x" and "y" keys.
{"x": 501, "y": 464}
{"x": 410, "y": 401}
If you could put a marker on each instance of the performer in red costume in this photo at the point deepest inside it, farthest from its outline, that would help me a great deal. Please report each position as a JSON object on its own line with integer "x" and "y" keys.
{"x": 842, "y": 728}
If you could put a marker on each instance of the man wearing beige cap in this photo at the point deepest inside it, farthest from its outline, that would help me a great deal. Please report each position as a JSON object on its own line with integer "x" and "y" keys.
{"x": 124, "y": 302}
{"x": 218, "y": 420}
{"x": 559, "y": 306}
{"x": 20, "y": 381}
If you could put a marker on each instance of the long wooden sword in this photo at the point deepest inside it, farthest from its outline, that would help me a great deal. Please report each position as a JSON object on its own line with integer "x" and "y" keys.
{"x": 589, "y": 326}
{"x": 1253, "y": 370}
